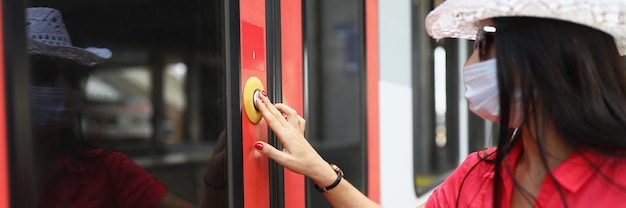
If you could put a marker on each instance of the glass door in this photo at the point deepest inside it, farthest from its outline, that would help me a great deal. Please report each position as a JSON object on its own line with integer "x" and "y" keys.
{"x": 148, "y": 123}
{"x": 160, "y": 86}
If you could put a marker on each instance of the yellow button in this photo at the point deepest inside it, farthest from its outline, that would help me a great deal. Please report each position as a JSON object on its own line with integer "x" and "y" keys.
{"x": 251, "y": 92}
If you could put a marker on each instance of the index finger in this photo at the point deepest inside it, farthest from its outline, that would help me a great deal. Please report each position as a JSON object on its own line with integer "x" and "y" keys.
{"x": 272, "y": 115}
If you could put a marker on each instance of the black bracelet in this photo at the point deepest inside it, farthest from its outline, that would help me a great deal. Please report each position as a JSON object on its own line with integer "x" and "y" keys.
{"x": 334, "y": 184}
{"x": 213, "y": 186}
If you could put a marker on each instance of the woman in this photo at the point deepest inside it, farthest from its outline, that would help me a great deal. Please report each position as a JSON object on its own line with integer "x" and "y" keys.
{"x": 550, "y": 73}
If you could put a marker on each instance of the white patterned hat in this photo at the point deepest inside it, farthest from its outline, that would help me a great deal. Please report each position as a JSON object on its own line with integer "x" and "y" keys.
{"x": 458, "y": 18}
{"x": 46, "y": 35}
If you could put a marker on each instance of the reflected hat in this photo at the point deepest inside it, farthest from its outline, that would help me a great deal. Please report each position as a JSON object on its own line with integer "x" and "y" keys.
{"x": 459, "y": 18}
{"x": 46, "y": 35}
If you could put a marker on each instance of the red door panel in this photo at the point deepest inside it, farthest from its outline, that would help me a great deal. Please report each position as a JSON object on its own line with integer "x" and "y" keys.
{"x": 253, "y": 47}
{"x": 4, "y": 166}
{"x": 372, "y": 71}
{"x": 292, "y": 82}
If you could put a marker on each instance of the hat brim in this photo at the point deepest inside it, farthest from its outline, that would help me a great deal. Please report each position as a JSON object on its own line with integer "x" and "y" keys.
{"x": 459, "y": 18}
{"x": 86, "y": 56}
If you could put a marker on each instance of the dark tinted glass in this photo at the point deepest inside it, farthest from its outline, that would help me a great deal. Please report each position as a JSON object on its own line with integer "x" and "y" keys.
{"x": 149, "y": 120}
{"x": 336, "y": 85}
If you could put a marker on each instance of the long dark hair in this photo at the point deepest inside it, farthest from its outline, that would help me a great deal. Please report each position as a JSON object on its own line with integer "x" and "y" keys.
{"x": 569, "y": 75}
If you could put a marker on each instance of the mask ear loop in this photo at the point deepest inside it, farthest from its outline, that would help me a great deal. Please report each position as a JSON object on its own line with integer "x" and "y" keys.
{"x": 514, "y": 134}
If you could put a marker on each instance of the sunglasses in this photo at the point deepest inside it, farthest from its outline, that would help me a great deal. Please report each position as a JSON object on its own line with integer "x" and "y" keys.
{"x": 484, "y": 40}
{"x": 46, "y": 70}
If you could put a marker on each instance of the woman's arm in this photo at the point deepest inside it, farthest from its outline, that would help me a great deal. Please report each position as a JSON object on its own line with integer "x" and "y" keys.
{"x": 299, "y": 156}
{"x": 345, "y": 195}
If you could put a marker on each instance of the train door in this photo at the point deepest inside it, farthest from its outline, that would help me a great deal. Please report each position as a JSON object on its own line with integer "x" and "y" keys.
{"x": 172, "y": 97}
{"x": 268, "y": 35}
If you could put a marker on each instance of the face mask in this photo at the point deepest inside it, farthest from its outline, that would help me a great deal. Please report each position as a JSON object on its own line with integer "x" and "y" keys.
{"x": 55, "y": 108}
{"x": 481, "y": 84}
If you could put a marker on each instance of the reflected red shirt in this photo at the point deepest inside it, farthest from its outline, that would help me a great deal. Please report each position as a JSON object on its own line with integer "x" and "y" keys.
{"x": 581, "y": 183}
{"x": 111, "y": 180}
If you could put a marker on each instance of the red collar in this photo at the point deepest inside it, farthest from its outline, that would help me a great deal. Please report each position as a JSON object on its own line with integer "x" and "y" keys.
{"x": 571, "y": 174}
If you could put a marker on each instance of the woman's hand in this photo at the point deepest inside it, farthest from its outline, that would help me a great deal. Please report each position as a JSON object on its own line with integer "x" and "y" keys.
{"x": 300, "y": 157}
{"x": 297, "y": 154}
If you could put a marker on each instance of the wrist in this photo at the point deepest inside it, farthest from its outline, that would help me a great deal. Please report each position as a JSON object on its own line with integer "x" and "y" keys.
{"x": 324, "y": 175}
{"x": 337, "y": 175}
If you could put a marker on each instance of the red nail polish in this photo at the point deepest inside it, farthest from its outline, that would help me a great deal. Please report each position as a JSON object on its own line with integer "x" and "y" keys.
{"x": 261, "y": 99}
{"x": 264, "y": 93}
{"x": 259, "y": 146}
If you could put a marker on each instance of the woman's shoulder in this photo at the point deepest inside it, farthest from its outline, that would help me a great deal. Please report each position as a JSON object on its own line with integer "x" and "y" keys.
{"x": 485, "y": 156}
{"x": 477, "y": 164}
{"x": 469, "y": 176}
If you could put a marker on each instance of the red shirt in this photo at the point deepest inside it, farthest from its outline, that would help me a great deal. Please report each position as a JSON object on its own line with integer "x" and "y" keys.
{"x": 581, "y": 183}
{"x": 112, "y": 180}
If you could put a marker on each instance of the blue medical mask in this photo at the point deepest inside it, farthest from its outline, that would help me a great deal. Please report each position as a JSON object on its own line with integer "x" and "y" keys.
{"x": 482, "y": 93}
{"x": 55, "y": 108}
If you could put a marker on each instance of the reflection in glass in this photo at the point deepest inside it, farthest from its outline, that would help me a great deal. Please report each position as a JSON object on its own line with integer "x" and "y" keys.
{"x": 148, "y": 119}
{"x": 117, "y": 106}
{"x": 174, "y": 102}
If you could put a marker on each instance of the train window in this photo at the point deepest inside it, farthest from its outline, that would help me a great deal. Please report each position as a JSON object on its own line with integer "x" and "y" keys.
{"x": 336, "y": 87}
{"x": 131, "y": 105}
{"x": 436, "y": 130}
{"x": 439, "y": 118}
